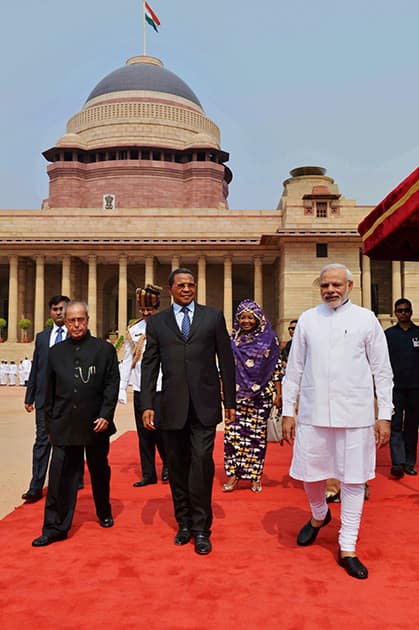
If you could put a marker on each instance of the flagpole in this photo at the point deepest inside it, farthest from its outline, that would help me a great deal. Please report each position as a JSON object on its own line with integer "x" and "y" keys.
{"x": 144, "y": 30}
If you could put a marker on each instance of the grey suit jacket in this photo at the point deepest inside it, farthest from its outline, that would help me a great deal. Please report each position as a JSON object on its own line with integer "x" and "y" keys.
{"x": 190, "y": 370}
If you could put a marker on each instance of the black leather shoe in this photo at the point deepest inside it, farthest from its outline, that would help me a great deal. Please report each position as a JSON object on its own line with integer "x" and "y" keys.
{"x": 143, "y": 482}
{"x": 202, "y": 544}
{"x": 397, "y": 472}
{"x": 31, "y": 496}
{"x": 353, "y": 566}
{"x": 308, "y": 533}
{"x": 44, "y": 540}
{"x": 165, "y": 474}
{"x": 81, "y": 485}
{"x": 183, "y": 536}
{"x": 409, "y": 470}
{"x": 106, "y": 522}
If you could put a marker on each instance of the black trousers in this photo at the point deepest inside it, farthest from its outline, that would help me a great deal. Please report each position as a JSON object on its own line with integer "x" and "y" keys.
{"x": 64, "y": 477}
{"x": 149, "y": 440}
{"x": 40, "y": 453}
{"x": 189, "y": 453}
{"x": 404, "y": 426}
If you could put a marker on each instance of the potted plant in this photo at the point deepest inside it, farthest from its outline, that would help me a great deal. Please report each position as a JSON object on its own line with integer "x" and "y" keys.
{"x": 3, "y": 324}
{"x": 24, "y": 324}
{"x": 49, "y": 323}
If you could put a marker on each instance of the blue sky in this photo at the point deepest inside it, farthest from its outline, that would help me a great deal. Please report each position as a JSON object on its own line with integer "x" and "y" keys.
{"x": 328, "y": 83}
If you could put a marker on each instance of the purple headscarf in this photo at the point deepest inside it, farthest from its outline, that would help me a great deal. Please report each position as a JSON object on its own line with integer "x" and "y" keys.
{"x": 255, "y": 353}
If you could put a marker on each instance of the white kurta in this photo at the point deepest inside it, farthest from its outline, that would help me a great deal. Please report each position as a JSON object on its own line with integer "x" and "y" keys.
{"x": 338, "y": 356}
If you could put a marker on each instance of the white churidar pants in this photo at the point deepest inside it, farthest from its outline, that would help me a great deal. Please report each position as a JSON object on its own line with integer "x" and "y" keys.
{"x": 352, "y": 502}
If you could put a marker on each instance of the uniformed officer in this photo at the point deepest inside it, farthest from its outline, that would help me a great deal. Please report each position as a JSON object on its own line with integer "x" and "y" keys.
{"x": 148, "y": 300}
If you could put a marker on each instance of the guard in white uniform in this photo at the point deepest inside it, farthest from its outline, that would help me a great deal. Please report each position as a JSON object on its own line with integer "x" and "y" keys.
{"x": 12, "y": 373}
{"x": 3, "y": 372}
{"x": 21, "y": 371}
{"x": 148, "y": 300}
{"x": 27, "y": 364}
{"x": 338, "y": 359}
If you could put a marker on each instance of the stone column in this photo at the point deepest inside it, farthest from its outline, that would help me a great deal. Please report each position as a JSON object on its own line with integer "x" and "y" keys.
{"x": 258, "y": 280}
{"x": 149, "y": 270}
{"x": 39, "y": 294}
{"x": 92, "y": 295}
{"x": 396, "y": 281}
{"x": 65, "y": 276}
{"x": 175, "y": 262}
{"x": 122, "y": 295}
{"x": 202, "y": 280}
{"x": 228, "y": 292}
{"x": 366, "y": 282}
{"x": 13, "y": 296}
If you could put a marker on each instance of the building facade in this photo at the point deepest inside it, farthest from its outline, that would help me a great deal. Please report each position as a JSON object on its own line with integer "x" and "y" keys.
{"x": 138, "y": 185}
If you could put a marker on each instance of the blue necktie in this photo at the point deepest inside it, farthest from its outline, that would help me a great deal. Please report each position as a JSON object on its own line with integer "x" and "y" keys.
{"x": 186, "y": 322}
{"x": 59, "y": 335}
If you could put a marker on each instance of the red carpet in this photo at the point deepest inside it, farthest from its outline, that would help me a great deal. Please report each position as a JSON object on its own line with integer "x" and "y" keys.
{"x": 133, "y": 577}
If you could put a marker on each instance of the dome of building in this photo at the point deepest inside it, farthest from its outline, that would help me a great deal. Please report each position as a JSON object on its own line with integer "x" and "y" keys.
{"x": 145, "y": 74}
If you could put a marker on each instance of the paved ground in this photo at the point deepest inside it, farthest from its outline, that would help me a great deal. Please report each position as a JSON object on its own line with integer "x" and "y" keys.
{"x": 17, "y": 431}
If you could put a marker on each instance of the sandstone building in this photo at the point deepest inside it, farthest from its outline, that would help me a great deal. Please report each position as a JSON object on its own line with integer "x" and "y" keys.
{"x": 138, "y": 185}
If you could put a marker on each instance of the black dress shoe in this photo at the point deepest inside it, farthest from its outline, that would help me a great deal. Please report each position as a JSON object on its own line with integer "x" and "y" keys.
{"x": 106, "y": 522}
{"x": 44, "y": 540}
{"x": 81, "y": 485}
{"x": 31, "y": 496}
{"x": 202, "y": 544}
{"x": 397, "y": 472}
{"x": 143, "y": 482}
{"x": 308, "y": 533}
{"x": 353, "y": 566}
{"x": 183, "y": 536}
{"x": 409, "y": 470}
{"x": 165, "y": 474}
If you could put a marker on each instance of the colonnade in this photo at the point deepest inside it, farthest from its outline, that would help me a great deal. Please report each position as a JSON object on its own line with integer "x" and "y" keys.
{"x": 67, "y": 281}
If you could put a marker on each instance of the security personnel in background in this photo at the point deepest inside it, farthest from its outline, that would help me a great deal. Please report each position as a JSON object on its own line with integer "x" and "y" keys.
{"x": 403, "y": 347}
{"x": 148, "y": 301}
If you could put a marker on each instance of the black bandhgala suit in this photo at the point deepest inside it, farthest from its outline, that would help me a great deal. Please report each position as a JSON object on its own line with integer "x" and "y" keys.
{"x": 82, "y": 385}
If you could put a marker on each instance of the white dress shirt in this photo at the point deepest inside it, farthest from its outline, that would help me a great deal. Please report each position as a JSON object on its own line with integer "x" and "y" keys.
{"x": 54, "y": 332}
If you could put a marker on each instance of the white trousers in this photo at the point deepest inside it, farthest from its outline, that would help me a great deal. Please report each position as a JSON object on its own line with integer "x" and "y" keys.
{"x": 352, "y": 503}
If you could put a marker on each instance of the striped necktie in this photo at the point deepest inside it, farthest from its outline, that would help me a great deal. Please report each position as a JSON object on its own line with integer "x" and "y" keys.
{"x": 186, "y": 322}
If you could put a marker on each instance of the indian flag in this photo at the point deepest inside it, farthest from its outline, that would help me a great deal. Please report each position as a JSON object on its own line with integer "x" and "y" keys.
{"x": 150, "y": 17}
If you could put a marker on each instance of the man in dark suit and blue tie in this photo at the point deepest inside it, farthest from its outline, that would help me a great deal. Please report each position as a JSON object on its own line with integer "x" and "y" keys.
{"x": 35, "y": 395}
{"x": 191, "y": 344}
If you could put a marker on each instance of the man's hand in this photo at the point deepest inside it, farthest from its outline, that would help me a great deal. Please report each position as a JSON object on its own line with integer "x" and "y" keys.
{"x": 101, "y": 424}
{"x": 148, "y": 419}
{"x": 29, "y": 407}
{"x": 382, "y": 432}
{"x": 122, "y": 396}
{"x": 288, "y": 429}
{"x": 229, "y": 416}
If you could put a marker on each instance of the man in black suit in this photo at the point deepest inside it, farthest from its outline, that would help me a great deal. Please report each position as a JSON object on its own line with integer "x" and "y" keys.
{"x": 186, "y": 340}
{"x": 35, "y": 395}
{"x": 80, "y": 400}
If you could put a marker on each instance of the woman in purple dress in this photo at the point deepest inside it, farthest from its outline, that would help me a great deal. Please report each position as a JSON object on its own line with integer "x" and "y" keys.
{"x": 258, "y": 384}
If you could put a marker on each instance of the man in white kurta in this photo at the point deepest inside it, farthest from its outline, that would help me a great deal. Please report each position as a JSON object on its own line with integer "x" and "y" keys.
{"x": 338, "y": 358}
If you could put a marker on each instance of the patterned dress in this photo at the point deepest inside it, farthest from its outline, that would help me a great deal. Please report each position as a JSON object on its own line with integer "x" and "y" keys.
{"x": 245, "y": 439}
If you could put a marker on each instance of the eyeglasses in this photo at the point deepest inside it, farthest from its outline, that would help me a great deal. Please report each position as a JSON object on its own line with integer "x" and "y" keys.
{"x": 291, "y": 327}
{"x": 403, "y": 310}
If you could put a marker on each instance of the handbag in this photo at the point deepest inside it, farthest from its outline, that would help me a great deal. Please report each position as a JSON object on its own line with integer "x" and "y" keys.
{"x": 274, "y": 426}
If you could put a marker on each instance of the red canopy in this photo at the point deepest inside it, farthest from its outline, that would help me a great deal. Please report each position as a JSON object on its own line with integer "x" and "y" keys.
{"x": 391, "y": 230}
